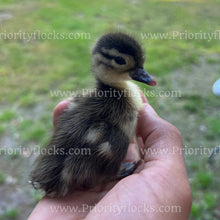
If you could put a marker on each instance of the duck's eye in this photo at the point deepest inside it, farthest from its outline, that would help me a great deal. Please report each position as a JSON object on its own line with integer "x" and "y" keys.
{"x": 119, "y": 60}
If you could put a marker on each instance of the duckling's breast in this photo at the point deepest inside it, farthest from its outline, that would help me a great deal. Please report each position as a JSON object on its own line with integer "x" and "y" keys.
{"x": 133, "y": 104}
{"x": 122, "y": 109}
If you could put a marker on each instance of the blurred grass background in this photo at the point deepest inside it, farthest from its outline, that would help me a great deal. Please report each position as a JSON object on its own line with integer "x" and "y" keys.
{"x": 30, "y": 70}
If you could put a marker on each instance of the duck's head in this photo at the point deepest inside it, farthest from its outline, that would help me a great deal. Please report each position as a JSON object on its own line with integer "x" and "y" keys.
{"x": 117, "y": 57}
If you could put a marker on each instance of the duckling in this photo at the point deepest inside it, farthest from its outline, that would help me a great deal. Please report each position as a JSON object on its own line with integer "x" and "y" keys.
{"x": 102, "y": 122}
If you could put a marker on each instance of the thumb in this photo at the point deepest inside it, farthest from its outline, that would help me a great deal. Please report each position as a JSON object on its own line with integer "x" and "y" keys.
{"x": 158, "y": 134}
{"x": 58, "y": 110}
{"x": 148, "y": 121}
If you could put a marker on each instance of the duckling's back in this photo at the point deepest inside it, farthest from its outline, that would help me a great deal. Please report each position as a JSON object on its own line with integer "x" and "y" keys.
{"x": 89, "y": 143}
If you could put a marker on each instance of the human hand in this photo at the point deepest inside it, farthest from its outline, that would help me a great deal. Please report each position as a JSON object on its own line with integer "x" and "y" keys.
{"x": 159, "y": 188}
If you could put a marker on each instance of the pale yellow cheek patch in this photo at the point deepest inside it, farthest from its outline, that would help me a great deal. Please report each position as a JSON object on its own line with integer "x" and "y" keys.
{"x": 98, "y": 57}
{"x": 104, "y": 150}
{"x": 130, "y": 63}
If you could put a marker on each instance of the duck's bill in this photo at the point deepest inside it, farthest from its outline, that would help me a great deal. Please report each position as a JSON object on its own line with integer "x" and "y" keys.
{"x": 142, "y": 76}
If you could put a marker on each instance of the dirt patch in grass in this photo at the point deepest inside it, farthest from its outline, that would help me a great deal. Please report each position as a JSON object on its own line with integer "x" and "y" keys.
{"x": 5, "y": 16}
{"x": 199, "y": 78}
{"x": 196, "y": 101}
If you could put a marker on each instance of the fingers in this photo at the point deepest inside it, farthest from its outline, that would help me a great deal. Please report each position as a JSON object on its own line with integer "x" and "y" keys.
{"x": 58, "y": 110}
{"x": 148, "y": 120}
{"x": 159, "y": 139}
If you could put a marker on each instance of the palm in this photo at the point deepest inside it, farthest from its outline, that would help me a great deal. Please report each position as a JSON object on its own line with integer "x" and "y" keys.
{"x": 158, "y": 189}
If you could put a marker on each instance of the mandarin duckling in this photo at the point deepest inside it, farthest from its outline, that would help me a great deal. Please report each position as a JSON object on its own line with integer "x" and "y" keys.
{"x": 102, "y": 122}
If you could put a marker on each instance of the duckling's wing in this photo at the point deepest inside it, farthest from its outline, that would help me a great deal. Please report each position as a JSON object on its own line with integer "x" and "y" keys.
{"x": 84, "y": 150}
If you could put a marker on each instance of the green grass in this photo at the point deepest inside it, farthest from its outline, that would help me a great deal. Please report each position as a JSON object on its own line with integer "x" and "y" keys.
{"x": 13, "y": 155}
{"x": 212, "y": 60}
{"x": 195, "y": 212}
{"x": 213, "y": 127}
{"x": 7, "y": 116}
{"x": 30, "y": 70}
{"x": 204, "y": 208}
{"x": 34, "y": 133}
{"x": 193, "y": 104}
{"x": 2, "y": 129}
{"x": 210, "y": 201}
{"x": 10, "y": 214}
{"x": 25, "y": 125}
{"x": 68, "y": 68}
{"x": 204, "y": 179}
{"x": 2, "y": 177}
{"x": 37, "y": 196}
{"x": 28, "y": 100}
